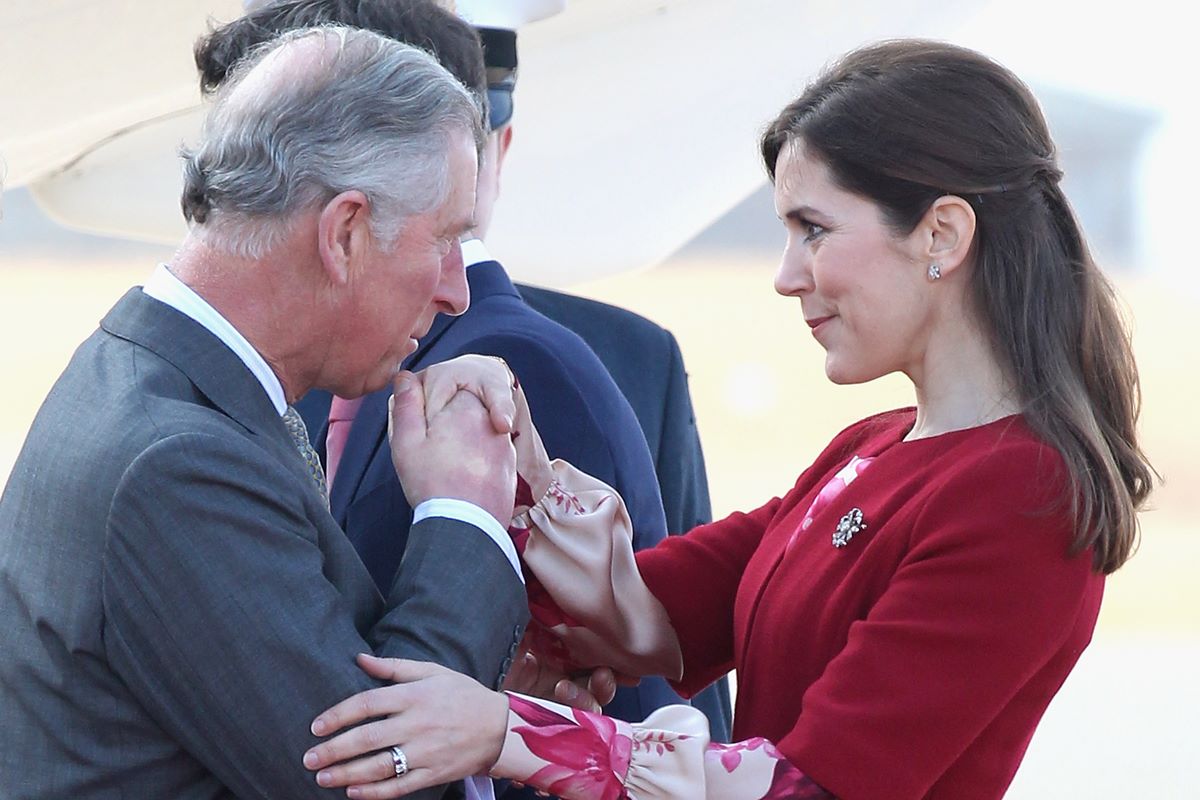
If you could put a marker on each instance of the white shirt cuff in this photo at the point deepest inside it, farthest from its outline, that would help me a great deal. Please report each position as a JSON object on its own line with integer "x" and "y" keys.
{"x": 471, "y": 514}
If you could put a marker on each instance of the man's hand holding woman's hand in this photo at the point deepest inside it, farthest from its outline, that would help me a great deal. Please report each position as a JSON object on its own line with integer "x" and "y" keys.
{"x": 451, "y": 428}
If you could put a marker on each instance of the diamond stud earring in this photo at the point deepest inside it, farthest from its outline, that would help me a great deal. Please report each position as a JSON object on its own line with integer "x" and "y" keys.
{"x": 935, "y": 271}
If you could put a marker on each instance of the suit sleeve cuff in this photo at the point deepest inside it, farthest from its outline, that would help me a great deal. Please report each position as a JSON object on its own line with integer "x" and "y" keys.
{"x": 471, "y": 514}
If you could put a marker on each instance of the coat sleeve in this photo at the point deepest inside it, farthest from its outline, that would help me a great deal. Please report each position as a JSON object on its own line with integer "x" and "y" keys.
{"x": 696, "y": 578}
{"x": 222, "y": 617}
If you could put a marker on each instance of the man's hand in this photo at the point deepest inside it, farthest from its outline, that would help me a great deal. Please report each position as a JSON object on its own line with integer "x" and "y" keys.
{"x": 453, "y": 450}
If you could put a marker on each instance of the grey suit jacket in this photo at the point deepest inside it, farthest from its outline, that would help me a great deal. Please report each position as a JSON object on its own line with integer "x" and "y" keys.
{"x": 176, "y": 603}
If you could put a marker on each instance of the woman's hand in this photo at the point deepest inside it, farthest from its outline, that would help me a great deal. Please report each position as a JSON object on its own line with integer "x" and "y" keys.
{"x": 447, "y": 725}
{"x": 486, "y": 377}
{"x": 454, "y": 452}
{"x": 587, "y": 691}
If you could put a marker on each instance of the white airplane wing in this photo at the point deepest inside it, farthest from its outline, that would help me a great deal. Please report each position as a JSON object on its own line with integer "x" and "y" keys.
{"x": 77, "y": 73}
{"x": 635, "y": 125}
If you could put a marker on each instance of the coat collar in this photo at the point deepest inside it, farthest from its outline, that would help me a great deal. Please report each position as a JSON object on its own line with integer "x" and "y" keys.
{"x": 485, "y": 279}
{"x": 215, "y": 370}
{"x": 207, "y": 362}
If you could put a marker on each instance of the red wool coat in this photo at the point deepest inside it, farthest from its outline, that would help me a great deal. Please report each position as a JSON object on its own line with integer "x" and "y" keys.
{"x": 916, "y": 660}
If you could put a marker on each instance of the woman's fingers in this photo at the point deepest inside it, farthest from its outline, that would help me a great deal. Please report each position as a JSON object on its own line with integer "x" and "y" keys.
{"x": 355, "y": 742}
{"x": 486, "y": 377}
{"x": 448, "y": 726}
{"x": 603, "y": 685}
{"x": 373, "y": 775}
{"x": 523, "y": 676}
{"x": 571, "y": 694}
{"x": 374, "y": 702}
{"x": 395, "y": 787}
{"x": 397, "y": 670}
{"x": 378, "y": 766}
{"x": 375, "y": 778}
{"x": 360, "y": 707}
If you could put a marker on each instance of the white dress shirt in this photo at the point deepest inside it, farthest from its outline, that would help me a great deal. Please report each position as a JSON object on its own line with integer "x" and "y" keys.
{"x": 474, "y": 251}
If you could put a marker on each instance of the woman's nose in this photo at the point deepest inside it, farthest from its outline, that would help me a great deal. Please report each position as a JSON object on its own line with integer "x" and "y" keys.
{"x": 794, "y": 276}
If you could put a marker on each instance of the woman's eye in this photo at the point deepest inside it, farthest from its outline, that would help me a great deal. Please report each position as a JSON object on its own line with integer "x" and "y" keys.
{"x": 812, "y": 231}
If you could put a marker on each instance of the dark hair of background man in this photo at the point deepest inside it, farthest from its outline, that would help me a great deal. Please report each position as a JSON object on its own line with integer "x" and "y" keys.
{"x": 421, "y": 23}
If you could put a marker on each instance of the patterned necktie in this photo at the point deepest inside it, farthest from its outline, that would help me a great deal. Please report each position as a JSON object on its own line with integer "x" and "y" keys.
{"x": 295, "y": 427}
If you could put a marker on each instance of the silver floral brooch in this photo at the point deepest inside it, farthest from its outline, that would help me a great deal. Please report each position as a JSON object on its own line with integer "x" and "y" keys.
{"x": 848, "y": 525}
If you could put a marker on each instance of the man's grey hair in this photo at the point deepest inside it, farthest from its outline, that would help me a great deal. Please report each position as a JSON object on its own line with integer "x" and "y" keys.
{"x": 365, "y": 112}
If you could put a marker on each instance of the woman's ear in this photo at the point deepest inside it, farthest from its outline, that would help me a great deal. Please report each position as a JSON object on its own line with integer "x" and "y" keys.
{"x": 945, "y": 234}
{"x": 343, "y": 234}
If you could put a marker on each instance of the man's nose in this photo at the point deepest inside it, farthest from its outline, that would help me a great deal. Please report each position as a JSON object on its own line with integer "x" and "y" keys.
{"x": 453, "y": 295}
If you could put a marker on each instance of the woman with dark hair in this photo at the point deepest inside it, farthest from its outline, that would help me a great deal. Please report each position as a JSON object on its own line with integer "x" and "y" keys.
{"x": 901, "y": 618}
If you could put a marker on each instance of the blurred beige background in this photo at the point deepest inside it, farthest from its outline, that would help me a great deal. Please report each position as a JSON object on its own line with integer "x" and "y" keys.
{"x": 1118, "y": 87}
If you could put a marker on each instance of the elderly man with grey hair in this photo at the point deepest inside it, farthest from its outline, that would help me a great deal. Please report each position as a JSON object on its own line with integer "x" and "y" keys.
{"x": 177, "y": 602}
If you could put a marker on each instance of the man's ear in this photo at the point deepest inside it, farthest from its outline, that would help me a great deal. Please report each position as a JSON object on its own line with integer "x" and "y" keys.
{"x": 343, "y": 235}
{"x": 946, "y": 232}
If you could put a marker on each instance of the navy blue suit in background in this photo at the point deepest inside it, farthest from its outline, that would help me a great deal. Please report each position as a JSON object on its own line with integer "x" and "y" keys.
{"x": 579, "y": 412}
{"x": 645, "y": 361}
{"x": 647, "y": 366}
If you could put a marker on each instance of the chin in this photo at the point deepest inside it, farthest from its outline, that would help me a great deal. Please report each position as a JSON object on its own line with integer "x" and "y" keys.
{"x": 844, "y": 375}
{"x": 377, "y": 381}
{"x": 844, "y": 380}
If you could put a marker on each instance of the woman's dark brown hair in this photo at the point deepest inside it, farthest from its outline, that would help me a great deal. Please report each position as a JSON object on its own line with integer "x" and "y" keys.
{"x": 905, "y": 122}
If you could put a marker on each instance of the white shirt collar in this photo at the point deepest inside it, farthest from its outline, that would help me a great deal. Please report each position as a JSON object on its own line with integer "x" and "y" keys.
{"x": 166, "y": 288}
{"x": 474, "y": 251}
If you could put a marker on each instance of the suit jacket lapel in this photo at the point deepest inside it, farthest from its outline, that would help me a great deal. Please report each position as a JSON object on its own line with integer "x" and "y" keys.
{"x": 213, "y": 368}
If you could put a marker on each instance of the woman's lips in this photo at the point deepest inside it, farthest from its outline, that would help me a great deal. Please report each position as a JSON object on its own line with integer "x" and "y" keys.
{"x": 816, "y": 322}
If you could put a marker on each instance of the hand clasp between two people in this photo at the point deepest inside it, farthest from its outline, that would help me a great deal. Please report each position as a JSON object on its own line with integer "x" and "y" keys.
{"x": 451, "y": 431}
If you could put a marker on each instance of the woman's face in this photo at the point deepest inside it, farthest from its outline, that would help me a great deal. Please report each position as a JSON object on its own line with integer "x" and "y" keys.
{"x": 864, "y": 290}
